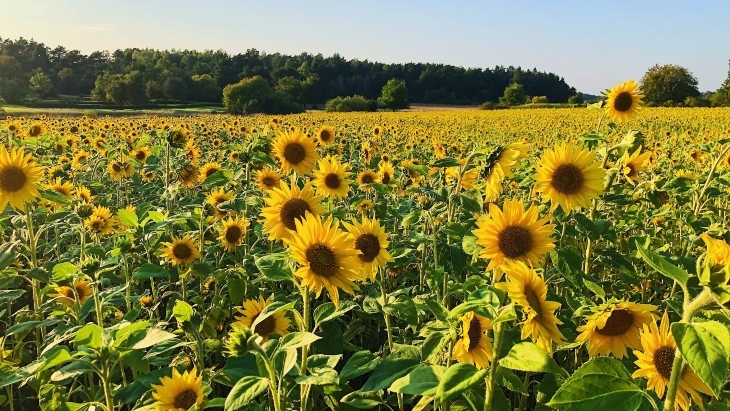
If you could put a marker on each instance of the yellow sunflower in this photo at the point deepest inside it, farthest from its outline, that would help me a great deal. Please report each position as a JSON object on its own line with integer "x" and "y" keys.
{"x": 188, "y": 175}
{"x": 119, "y": 169}
{"x": 528, "y": 290}
{"x": 295, "y": 151}
{"x": 208, "y": 170}
{"x": 80, "y": 160}
{"x": 569, "y": 177}
{"x": 474, "y": 346}
{"x": 513, "y": 234}
{"x": 365, "y": 205}
{"x": 467, "y": 180}
{"x": 633, "y": 164}
{"x": 371, "y": 242}
{"x": 624, "y": 101}
{"x": 326, "y": 135}
{"x": 218, "y": 197}
{"x": 181, "y": 251}
{"x": 718, "y": 251}
{"x": 141, "y": 154}
{"x": 366, "y": 179}
{"x": 79, "y": 291}
{"x": 386, "y": 172}
{"x": 613, "y": 326}
{"x": 19, "y": 178}
{"x": 232, "y": 233}
{"x": 62, "y": 187}
{"x": 656, "y": 361}
{"x": 84, "y": 194}
{"x": 499, "y": 166}
{"x": 36, "y": 129}
{"x": 100, "y": 222}
{"x": 268, "y": 179}
{"x": 179, "y": 392}
{"x": 276, "y": 323}
{"x": 286, "y": 205}
{"x": 326, "y": 256}
{"x": 331, "y": 178}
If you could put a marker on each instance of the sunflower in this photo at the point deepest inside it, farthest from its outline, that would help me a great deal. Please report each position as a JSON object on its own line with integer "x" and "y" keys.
{"x": 181, "y": 251}
{"x": 276, "y": 323}
{"x": 569, "y": 177}
{"x": 718, "y": 251}
{"x": 141, "y": 154}
{"x": 613, "y": 326}
{"x": 179, "y": 392}
{"x": 84, "y": 194}
{"x": 386, "y": 172}
{"x": 208, "y": 170}
{"x": 365, "y": 205}
{"x": 377, "y": 131}
{"x": 147, "y": 175}
{"x": 268, "y": 179}
{"x": 528, "y": 290}
{"x": 467, "y": 179}
{"x": 633, "y": 164}
{"x": 100, "y": 222}
{"x": 474, "y": 346}
{"x": 513, "y": 234}
{"x": 61, "y": 187}
{"x": 285, "y": 206}
{"x": 331, "y": 178}
{"x": 19, "y": 177}
{"x": 696, "y": 155}
{"x": 326, "y": 135}
{"x": 624, "y": 101}
{"x": 366, "y": 152}
{"x": 232, "y": 233}
{"x": 295, "y": 152}
{"x": 79, "y": 291}
{"x": 366, "y": 179}
{"x": 36, "y": 130}
{"x": 499, "y": 165}
{"x": 371, "y": 242}
{"x": 79, "y": 161}
{"x": 218, "y": 197}
{"x": 326, "y": 255}
{"x": 192, "y": 152}
{"x": 656, "y": 361}
{"x": 188, "y": 175}
{"x": 119, "y": 169}
{"x": 234, "y": 156}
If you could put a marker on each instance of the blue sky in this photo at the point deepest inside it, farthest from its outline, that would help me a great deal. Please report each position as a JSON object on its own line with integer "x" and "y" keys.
{"x": 593, "y": 44}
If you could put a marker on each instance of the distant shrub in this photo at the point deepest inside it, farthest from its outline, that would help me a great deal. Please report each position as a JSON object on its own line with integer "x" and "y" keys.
{"x": 576, "y": 99}
{"x": 540, "y": 100}
{"x": 490, "y": 105}
{"x": 353, "y": 103}
{"x": 255, "y": 95}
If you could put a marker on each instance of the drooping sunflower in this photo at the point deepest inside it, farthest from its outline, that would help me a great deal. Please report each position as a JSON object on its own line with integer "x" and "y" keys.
{"x": 79, "y": 291}
{"x": 371, "y": 241}
{"x": 624, "y": 100}
{"x": 331, "y": 178}
{"x": 276, "y": 323}
{"x": 268, "y": 179}
{"x": 141, "y": 154}
{"x": 208, "y": 170}
{"x": 718, "y": 251}
{"x": 528, "y": 290}
{"x": 232, "y": 233}
{"x": 468, "y": 178}
{"x": 218, "y": 197}
{"x": 285, "y": 206}
{"x": 326, "y": 135}
{"x": 84, "y": 194}
{"x": 181, "y": 251}
{"x": 326, "y": 256}
{"x": 499, "y": 165}
{"x": 295, "y": 151}
{"x": 119, "y": 169}
{"x": 366, "y": 179}
{"x": 613, "y": 326}
{"x": 656, "y": 361}
{"x": 569, "y": 177}
{"x": 100, "y": 222}
{"x": 19, "y": 178}
{"x": 179, "y": 392}
{"x": 188, "y": 175}
{"x": 633, "y": 164}
{"x": 386, "y": 172}
{"x": 513, "y": 234}
{"x": 474, "y": 346}
{"x": 62, "y": 187}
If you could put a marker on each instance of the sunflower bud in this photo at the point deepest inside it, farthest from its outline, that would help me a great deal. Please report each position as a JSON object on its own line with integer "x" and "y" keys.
{"x": 240, "y": 341}
{"x": 90, "y": 266}
{"x": 124, "y": 245}
{"x": 84, "y": 210}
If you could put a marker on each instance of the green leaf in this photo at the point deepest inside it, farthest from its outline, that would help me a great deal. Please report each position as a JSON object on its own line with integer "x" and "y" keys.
{"x": 296, "y": 340}
{"x": 148, "y": 270}
{"x": 481, "y": 307}
{"x": 706, "y": 347}
{"x": 275, "y": 266}
{"x": 328, "y": 311}
{"x": 437, "y": 309}
{"x": 389, "y": 370}
{"x": 182, "y": 311}
{"x": 245, "y": 390}
{"x": 602, "y": 384}
{"x": 322, "y": 376}
{"x": 270, "y": 310}
{"x": 446, "y": 162}
{"x": 89, "y": 336}
{"x": 362, "y": 400}
{"x": 362, "y": 362}
{"x": 420, "y": 169}
{"x": 55, "y": 196}
{"x": 128, "y": 218}
{"x": 527, "y": 356}
{"x": 663, "y": 266}
{"x": 148, "y": 337}
{"x": 457, "y": 380}
{"x": 237, "y": 290}
{"x": 423, "y": 380}
{"x": 64, "y": 270}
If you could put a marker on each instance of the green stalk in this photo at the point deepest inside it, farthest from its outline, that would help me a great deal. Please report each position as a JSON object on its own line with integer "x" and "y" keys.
{"x": 385, "y": 314}
{"x": 492, "y": 376}
{"x": 107, "y": 390}
{"x": 305, "y": 349}
{"x": 97, "y": 305}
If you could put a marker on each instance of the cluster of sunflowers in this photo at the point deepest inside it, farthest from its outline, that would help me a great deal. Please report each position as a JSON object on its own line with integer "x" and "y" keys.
{"x": 471, "y": 260}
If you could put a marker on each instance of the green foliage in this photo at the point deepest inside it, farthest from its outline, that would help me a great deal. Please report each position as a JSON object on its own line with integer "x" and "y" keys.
{"x": 576, "y": 99}
{"x": 668, "y": 84}
{"x": 174, "y": 88}
{"x": 353, "y": 103}
{"x": 513, "y": 95}
{"x": 120, "y": 89}
{"x": 292, "y": 88}
{"x": 540, "y": 100}
{"x": 206, "y": 88}
{"x": 40, "y": 83}
{"x": 255, "y": 95}
{"x": 394, "y": 95}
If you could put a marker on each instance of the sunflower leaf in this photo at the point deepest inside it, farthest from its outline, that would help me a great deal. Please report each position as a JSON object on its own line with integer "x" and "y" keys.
{"x": 270, "y": 310}
{"x": 457, "y": 380}
{"x": 663, "y": 266}
{"x": 527, "y": 356}
{"x": 362, "y": 362}
{"x": 706, "y": 347}
{"x": 275, "y": 267}
{"x": 245, "y": 390}
{"x": 328, "y": 311}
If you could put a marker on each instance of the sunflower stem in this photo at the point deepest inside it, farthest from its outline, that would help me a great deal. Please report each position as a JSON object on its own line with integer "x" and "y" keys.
{"x": 304, "y": 391}
{"x": 698, "y": 204}
{"x": 107, "y": 390}
{"x": 492, "y": 376}
{"x": 97, "y": 305}
{"x": 385, "y": 314}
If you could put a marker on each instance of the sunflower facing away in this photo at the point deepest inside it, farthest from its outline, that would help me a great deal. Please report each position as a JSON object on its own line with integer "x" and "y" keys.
{"x": 326, "y": 255}
{"x": 181, "y": 251}
{"x": 632, "y": 164}
{"x": 624, "y": 101}
{"x": 613, "y": 326}
{"x": 179, "y": 392}
{"x": 569, "y": 177}
{"x": 331, "y": 178}
{"x": 371, "y": 242}
{"x": 232, "y": 233}
{"x": 656, "y": 361}
{"x": 528, "y": 290}
{"x": 286, "y": 205}
{"x": 19, "y": 177}
{"x": 295, "y": 151}
{"x": 499, "y": 166}
{"x": 79, "y": 291}
{"x": 474, "y": 346}
{"x": 276, "y": 323}
{"x": 513, "y": 234}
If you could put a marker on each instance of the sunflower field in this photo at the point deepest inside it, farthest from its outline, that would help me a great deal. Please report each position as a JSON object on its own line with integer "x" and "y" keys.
{"x": 566, "y": 259}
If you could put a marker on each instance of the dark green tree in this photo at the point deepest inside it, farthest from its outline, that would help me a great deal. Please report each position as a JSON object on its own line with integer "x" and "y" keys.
{"x": 394, "y": 95}
{"x": 668, "y": 84}
{"x": 175, "y": 88}
{"x": 40, "y": 83}
{"x": 293, "y": 88}
{"x": 245, "y": 97}
{"x": 514, "y": 95}
{"x": 206, "y": 88}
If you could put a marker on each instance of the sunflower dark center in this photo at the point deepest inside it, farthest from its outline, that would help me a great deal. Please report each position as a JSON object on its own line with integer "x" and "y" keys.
{"x": 369, "y": 245}
{"x": 97, "y": 224}
{"x": 515, "y": 241}
{"x": 385, "y": 179}
{"x": 325, "y": 135}
{"x": 623, "y": 102}
{"x": 294, "y": 209}
{"x": 233, "y": 234}
{"x": 268, "y": 181}
{"x": 116, "y": 167}
{"x": 367, "y": 179}
{"x": 265, "y": 327}
{"x": 322, "y": 260}
{"x": 475, "y": 333}
{"x": 663, "y": 361}
{"x": 181, "y": 251}
{"x": 533, "y": 300}
{"x": 332, "y": 181}
{"x": 567, "y": 179}
{"x": 141, "y": 155}
{"x": 210, "y": 172}
{"x": 631, "y": 171}
{"x": 294, "y": 153}
{"x": 12, "y": 179}
{"x": 185, "y": 399}
{"x": 34, "y": 131}
{"x": 617, "y": 323}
